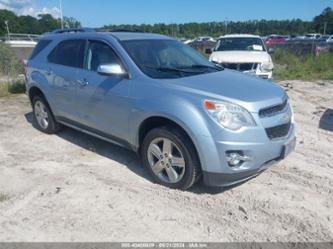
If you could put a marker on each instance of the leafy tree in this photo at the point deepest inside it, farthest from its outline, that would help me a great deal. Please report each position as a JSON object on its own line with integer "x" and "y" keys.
{"x": 325, "y": 18}
{"x": 70, "y": 22}
{"x": 47, "y": 23}
{"x": 28, "y": 24}
{"x": 11, "y": 18}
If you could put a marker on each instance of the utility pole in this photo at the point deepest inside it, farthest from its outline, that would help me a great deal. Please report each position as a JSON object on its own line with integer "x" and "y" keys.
{"x": 325, "y": 27}
{"x": 8, "y": 34}
{"x": 61, "y": 16}
{"x": 226, "y": 26}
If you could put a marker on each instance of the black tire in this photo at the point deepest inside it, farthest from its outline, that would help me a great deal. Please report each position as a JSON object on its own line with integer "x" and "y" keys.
{"x": 182, "y": 141}
{"x": 53, "y": 126}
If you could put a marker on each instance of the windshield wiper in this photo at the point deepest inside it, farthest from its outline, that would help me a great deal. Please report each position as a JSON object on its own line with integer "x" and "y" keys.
{"x": 167, "y": 69}
{"x": 217, "y": 67}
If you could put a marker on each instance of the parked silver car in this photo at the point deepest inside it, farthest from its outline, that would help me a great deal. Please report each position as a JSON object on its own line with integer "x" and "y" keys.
{"x": 187, "y": 117}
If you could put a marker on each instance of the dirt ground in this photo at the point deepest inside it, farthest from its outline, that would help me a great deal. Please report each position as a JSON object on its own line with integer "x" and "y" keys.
{"x": 73, "y": 187}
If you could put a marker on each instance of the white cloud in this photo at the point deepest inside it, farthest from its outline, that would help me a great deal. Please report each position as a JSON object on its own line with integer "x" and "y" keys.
{"x": 27, "y": 7}
{"x": 14, "y": 4}
{"x": 55, "y": 12}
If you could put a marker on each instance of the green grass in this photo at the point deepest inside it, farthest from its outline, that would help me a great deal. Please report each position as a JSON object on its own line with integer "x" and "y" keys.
{"x": 3, "y": 197}
{"x": 289, "y": 66}
{"x": 15, "y": 87}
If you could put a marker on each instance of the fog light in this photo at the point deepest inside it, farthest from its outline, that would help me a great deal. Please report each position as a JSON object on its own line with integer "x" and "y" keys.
{"x": 236, "y": 158}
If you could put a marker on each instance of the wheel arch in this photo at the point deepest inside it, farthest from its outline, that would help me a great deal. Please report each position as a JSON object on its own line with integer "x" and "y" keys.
{"x": 159, "y": 121}
{"x": 34, "y": 91}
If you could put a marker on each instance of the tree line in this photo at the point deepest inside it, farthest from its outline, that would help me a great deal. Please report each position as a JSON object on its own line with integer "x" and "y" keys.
{"x": 320, "y": 24}
{"x": 31, "y": 25}
{"x": 45, "y": 23}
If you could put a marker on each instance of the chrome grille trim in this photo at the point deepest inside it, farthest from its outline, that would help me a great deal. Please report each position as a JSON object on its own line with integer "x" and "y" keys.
{"x": 273, "y": 110}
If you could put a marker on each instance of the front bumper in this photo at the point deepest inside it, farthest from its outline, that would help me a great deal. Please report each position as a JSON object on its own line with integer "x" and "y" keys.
{"x": 265, "y": 144}
{"x": 255, "y": 70}
{"x": 260, "y": 74}
{"x": 263, "y": 154}
{"x": 229, "y": 179}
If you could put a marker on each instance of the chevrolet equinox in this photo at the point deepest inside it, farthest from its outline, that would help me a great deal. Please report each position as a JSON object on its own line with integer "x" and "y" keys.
{"x": 187, "y": 118}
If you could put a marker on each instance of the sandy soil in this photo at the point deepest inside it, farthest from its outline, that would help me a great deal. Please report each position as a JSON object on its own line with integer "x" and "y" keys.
{"x": 72, "y": 187}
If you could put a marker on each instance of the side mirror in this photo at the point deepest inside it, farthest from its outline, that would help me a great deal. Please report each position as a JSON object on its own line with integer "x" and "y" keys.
{"x": 112, "y": 70}
{"x": 271, "y": 50}
{"x": 209, "y": 51}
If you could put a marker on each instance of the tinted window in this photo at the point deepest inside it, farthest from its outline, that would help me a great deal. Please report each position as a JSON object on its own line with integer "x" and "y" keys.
{"x": 40, "y": 46}
{"x": 98, "y": 54}
{"x": 68, "y": 53}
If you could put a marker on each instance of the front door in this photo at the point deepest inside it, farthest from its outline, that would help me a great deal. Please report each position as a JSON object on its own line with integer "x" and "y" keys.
{"x": 104, "y": 100}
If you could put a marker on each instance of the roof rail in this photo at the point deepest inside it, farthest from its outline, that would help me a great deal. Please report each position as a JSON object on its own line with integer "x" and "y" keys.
{"x": 128, "y": 30}
{"x": 121, "y": 30}
{"x": 76, "y": 30}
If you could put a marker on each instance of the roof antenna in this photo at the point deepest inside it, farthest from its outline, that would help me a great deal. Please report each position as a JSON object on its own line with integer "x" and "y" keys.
{"x": 61, "y": 16}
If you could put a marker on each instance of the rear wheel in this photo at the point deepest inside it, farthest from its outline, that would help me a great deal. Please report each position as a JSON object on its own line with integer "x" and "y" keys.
{"x": 43, "y": 116}
{"x": 170, "y": 157}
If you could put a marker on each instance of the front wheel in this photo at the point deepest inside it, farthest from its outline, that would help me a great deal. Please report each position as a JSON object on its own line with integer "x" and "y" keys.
{"x": 170, "y": 157}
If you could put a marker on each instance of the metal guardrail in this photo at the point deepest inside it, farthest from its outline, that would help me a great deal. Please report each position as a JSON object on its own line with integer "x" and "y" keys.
{"x": 20, "y": 37}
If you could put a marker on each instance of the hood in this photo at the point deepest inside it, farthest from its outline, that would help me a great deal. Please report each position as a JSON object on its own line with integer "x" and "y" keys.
{"x": 245, "y": 90}
{"x": 239, "y": 56}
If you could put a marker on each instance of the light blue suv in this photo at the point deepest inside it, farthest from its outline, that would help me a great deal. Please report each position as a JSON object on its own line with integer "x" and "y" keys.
{"x": 187, "y": 117}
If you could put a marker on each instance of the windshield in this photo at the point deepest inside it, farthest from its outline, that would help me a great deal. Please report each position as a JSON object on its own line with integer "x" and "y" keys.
{"x": 240, "y": 44}
{"x": 167, "y": 58}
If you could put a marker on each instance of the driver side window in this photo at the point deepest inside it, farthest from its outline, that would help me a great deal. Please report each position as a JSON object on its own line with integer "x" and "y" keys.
{"x": 99, "y": 53}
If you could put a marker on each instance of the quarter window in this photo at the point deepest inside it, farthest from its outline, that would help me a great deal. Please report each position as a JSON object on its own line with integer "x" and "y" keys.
{"x": 40, "y": 46}
{"x": 68, "y": 53}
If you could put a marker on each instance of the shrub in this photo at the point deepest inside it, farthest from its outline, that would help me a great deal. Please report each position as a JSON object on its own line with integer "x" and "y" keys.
{"x": 306, "y": 67}
{"x": 12, "y": 88}
{"x": 10, "y": 65}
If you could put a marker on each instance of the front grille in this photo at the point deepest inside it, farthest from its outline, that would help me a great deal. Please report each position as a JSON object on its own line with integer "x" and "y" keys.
{"x": 241, "y": 66}
{"x": 278, "y": 131}
{"x": 266, "y": 112}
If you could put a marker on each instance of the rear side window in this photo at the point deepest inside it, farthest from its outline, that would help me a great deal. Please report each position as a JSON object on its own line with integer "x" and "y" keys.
{"x": 39, "y": 47}
{"x": 68, "y": 53}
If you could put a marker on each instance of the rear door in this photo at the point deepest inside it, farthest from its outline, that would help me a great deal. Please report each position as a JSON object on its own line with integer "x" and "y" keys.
{"x": 65, "y": 61}
{"x": 104, "y": 100}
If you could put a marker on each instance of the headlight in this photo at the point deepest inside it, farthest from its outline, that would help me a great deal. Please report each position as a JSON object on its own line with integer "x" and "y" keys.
{"x": 267, "y": 66}
{"x": 228, "y": 115}
{"x": 292, "y": 111}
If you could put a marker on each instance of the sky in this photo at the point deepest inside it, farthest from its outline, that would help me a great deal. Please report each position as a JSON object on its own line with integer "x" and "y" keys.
{"x": 101, "y": 12}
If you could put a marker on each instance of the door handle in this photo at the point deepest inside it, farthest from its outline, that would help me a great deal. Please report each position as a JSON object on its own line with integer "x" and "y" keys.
{"x": 83, "y": 83}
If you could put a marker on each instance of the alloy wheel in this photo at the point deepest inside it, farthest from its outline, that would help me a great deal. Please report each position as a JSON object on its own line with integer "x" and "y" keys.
{"x": 166, "y": 160}
{"x": 41, "y": 114}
